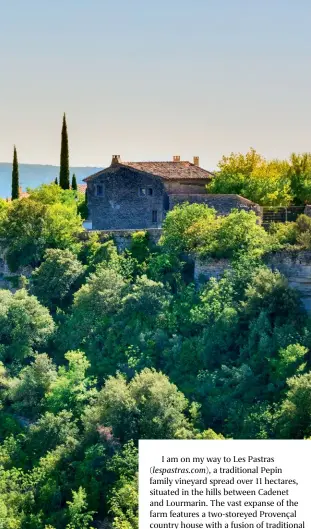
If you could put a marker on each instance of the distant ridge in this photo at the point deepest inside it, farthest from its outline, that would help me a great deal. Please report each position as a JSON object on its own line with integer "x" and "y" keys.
{"x": 32, "y": 175}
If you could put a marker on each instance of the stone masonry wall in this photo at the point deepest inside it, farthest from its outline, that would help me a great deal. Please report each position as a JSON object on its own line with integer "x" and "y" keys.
{"x": 185, "y": 188}
{"x": 5, "y": 271}
{"x": 204, "y": 270}
{"x": 6, "y": 274}
{"x": 296, "y": 266}
{"x": 121, "y": 205}
{"x": 122, "y": 238}
{"x": 307, "y": 210}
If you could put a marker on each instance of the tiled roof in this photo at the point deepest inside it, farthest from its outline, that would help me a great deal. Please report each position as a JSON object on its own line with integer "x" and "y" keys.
{"x": 211, "y": 197}
{"x": 82, "y": 188}
{"x": 166, "y": 170}
{"x": 172, "y": 170}
{"x": 22, "y": 194}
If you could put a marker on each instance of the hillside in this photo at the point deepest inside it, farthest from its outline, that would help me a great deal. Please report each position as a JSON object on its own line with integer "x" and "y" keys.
{"x": 32, "y": 175}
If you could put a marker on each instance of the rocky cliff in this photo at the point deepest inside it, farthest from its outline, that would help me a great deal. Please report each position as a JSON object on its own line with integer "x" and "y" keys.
{"x": 295, "y": 265}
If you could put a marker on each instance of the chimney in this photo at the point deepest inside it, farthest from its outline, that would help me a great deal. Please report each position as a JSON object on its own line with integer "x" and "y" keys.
{"x": 116, "y": 158}
{"x": 196, "y": 161}
{"x": 176, "y": 158}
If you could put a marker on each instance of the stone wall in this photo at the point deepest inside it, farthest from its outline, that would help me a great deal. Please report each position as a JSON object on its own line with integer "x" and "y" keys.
{"x": 295, "y": 265}
{"x": 307, "y": 210}
{"x": 5, "y": 271}
{"x": 223, "y": 204}
{"x": 121, "y": 205}
{"x": 122, "y": 238}
{"x": 204, "y": 270}
{"x": 6, "y": 274}
{"x": 178, "y": 187}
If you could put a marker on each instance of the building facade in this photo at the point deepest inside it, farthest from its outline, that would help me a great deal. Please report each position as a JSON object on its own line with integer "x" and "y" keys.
{"x": 135, "y": 195}
{"x": 138, "y": 195}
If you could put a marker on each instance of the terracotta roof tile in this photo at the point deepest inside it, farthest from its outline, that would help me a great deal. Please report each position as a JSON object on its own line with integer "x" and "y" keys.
{"x": 172, "y": 170}
{"x": 166, "y": 170}
{"x": 22, "y": 194}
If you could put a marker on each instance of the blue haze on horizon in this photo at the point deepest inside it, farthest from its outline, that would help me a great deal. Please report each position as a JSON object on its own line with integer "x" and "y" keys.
{"x": 150, "y": 79}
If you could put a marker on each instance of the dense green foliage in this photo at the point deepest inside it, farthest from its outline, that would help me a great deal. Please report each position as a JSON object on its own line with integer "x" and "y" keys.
{"x": 196, "y": 228}
{"x": 15, "y": 176}
{"x": 100, "y": 348}
{"x": 47, "y": 219}
{"x": 56, "y": 277}
{"x": 268, "y": 183}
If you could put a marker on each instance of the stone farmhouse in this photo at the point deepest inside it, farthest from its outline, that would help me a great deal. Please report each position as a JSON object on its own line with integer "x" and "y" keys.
{"x": 138, "y": 195}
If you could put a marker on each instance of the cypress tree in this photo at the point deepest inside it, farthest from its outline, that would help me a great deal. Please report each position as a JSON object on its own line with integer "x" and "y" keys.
{"x": 15, "y": 176}
{"x": 56, "y": 181}
{"x": 64, "y": 176}
{"x": 74, "y": 185}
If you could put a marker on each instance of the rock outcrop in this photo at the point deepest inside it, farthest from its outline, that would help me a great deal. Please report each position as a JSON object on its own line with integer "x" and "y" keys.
{"x": 295, "y": 265}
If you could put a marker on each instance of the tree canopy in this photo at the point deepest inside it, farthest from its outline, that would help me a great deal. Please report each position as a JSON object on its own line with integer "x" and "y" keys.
{"x": 100, "y": 348}
{"x": 266, "y": 182}
{"x": 32, "y": 225}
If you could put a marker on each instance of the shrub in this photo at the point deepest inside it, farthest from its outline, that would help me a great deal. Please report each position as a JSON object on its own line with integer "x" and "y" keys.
{"x": 53, "y": 282}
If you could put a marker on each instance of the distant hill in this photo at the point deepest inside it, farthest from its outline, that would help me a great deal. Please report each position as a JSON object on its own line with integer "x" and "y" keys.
{"x": 32, "y": 175}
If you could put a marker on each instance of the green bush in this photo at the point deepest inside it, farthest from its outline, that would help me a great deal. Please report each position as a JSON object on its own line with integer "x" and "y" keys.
{"x": 56, "y": 279}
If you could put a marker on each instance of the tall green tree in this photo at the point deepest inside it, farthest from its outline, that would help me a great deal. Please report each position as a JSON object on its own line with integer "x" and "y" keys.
{"x": 64, "y": 176}
{"x": 300, "y": 177}
{"x": 74, "y": 184}
{"x": 15, "y": 176}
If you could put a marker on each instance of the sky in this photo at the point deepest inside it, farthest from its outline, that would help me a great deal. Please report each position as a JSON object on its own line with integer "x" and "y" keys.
{"x": 149, "y": 79}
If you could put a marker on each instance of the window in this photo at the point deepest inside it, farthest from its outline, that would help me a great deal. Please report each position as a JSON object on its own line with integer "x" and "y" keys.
{"x": 99, "y": 190}
{"x": 154, "y": 215}
{"x": 145, "y": 191}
